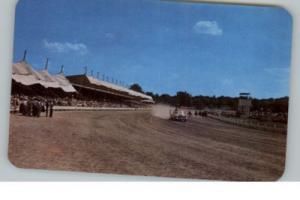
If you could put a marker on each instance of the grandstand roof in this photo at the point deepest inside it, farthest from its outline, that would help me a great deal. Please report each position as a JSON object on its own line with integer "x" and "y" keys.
{"x": 92, "y": 82}
{"x": 23, "y": 73}
{"x": 64, "y": 82}
{"x": 118, "y": 88}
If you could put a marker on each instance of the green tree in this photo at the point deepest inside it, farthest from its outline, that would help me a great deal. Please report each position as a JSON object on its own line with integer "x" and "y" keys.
{"x": 136, "y": 87}
{"x": 183, "y": 99}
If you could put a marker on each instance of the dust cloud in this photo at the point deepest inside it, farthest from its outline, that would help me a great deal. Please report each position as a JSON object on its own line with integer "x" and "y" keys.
{"x": 161, "y": 110}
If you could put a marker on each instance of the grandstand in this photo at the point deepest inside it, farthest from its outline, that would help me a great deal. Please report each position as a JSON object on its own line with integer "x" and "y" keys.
{"x": 30, "y": 82}
{"x": 89, "y": 86}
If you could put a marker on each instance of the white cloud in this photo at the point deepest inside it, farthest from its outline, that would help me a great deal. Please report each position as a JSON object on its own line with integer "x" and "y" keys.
{"x": 66, "y": 47}
{"x": 208, "y": 27}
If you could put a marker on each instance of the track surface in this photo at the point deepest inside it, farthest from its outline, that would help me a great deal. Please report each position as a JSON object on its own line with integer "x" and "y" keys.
{"x": 136, "y": 143}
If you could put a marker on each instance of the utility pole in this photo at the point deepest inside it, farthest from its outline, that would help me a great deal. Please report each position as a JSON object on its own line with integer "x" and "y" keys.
{"x": 46, "y": 64}
{"x": 62, "y": 69}
{"x": 24, "y": 55}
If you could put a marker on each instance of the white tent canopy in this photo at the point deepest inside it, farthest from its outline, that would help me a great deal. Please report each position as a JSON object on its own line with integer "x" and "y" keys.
{"x": 64, "y": 82}
{"x": 23, "y": 73}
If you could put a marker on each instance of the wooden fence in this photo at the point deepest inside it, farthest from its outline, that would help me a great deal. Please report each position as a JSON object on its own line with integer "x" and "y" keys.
{"x": 248, "y": 123}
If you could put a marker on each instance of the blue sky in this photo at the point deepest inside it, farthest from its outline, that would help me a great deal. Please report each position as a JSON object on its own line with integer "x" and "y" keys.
{"x": 204, "y": 49}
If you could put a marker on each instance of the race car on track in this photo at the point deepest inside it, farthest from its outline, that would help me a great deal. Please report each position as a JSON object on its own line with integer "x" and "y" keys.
{"x": 178, "y": 115}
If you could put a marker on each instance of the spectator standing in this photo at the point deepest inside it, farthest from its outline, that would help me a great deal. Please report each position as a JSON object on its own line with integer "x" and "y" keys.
{"x": 47, "y": 108}
{"x": 51, "y": 109}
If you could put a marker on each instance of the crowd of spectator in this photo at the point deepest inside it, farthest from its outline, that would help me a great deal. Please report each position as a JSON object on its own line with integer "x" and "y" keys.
{"x": 34, "y": 106}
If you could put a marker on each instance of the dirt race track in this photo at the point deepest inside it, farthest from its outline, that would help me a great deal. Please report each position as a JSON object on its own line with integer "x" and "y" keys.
{"x": 136, "y": 143}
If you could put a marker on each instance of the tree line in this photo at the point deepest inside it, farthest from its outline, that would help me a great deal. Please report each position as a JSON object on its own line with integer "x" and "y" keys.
{"x": 183, "y": 98}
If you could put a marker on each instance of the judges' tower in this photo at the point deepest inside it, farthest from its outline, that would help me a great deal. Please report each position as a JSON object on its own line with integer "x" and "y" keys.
{"x": 245, "y": 104}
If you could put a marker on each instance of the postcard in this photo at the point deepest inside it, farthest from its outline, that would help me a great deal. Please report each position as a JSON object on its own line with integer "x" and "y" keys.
{"x": 151, "y": 88}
